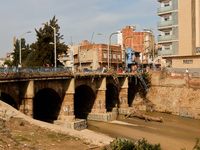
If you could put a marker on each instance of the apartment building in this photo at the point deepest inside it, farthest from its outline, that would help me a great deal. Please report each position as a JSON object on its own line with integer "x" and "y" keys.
{"x": 66, "y": 59}
{"x": 90, "y": 56}
{"x": 2, "y": 60}
{"x": 180, "y": 32}
{"x": 9, "y": 56}
{"x": 141, "y": 42}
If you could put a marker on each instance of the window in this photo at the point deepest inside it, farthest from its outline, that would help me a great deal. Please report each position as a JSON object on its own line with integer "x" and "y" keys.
{"x": 197, "y": 49}
{"x": 109, "y": 56}
{"x": 166, "y": 18}
{"x": 167, "y": 32}
{"x": 167, "y": 47}
{"x": 114, "y": 56}
{"x": 187, "y": 61}
{"x": 104, "y": 55}
{"x": 169, "y": 63}
{"x": 83, "y": 55}
{"x": 118, "y": 57}
{"x": 166, "y": 4}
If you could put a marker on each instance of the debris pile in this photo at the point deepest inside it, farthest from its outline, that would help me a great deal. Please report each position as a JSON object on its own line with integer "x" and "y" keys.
{"x": 138, "y": 114}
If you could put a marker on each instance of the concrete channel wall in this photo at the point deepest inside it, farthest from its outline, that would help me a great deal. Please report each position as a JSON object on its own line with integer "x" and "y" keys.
{"x": 176, "y": 96}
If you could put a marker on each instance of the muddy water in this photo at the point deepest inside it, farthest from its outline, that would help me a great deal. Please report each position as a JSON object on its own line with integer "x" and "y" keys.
{"x": 173, "y": 134}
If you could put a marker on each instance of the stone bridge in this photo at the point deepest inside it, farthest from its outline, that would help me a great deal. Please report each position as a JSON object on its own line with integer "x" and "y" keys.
{"x": 68, "y": 98}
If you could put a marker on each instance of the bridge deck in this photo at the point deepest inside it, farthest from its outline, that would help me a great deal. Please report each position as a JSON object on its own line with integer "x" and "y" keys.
{"x": 15, "y": 77}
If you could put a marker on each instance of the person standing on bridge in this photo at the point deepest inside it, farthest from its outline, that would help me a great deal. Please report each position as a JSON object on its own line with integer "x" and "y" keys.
{"x": 5, "y": 68}
{"x": 19, "y": 67}
{"x": 187, "y": 71}
{"x": 47, "y": 67}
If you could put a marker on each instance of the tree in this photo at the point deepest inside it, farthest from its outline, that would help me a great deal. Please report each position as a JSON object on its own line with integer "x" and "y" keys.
{"x": 24, "y": 51}
{"x": 41, "y": 51}
{"x": 8, "y": 62}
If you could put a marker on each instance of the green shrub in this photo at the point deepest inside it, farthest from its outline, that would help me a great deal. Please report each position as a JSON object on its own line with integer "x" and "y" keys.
{"x": 123, "y": 144}
{"x": 197, "y": 145}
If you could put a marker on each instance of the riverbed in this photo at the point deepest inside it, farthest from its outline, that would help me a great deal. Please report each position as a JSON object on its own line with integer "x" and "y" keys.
{"x": 173, "y": 134}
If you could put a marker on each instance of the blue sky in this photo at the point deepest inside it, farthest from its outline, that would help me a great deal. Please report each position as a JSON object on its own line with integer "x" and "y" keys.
{"x": 78, "y": 19}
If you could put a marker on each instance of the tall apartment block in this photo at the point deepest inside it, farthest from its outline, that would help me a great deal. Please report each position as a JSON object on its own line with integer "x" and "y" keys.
{"x": 180, "y": 32}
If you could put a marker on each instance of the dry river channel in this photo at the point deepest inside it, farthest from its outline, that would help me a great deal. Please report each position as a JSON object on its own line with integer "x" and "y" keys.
{"x": 173, "y": 134}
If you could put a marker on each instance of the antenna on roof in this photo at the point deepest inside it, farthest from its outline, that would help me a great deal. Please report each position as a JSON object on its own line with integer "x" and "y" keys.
{"x": 92, "y": 37}
{"x": 71, "y": 41}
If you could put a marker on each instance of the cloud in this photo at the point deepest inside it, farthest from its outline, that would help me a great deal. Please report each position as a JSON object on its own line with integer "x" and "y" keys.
{"x": 78, "y": 18}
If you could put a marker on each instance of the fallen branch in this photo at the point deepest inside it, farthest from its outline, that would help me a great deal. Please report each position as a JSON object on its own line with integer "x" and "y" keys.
{"x": 145, "y": 117}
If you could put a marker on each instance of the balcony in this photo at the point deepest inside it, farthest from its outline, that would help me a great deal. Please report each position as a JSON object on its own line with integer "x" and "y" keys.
{"x": 165, "y": 23}
{"x": 164, "y": 38}
{"x": 165, "y": 52}
{"x": 164, "y": 9}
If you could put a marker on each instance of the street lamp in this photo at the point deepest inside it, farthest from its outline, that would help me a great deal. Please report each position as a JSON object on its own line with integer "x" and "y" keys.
{"x": 109, "y": 43}
{"x": 20, "y": 48}
{"x": 54, "y": 29}
{"x": 108, "y": 46}
{"x": 151, "y": 30}
{"x": 125, "y": 48}
{"x": 79, "y": 58}
{"x": 142, "y": 51}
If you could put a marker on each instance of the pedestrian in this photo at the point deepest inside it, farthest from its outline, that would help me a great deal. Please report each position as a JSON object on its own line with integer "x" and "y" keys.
{"x": 19, "y": 67}
{"x": 47, "y": 66}
{"x": 104, "y": 69}
{"x": 5, "y": 68}
{"x": 126, "y": 69}
{"x": 120, "y": 69}
{"x": 14, "y": 69}
{"x": 187, "y": 71}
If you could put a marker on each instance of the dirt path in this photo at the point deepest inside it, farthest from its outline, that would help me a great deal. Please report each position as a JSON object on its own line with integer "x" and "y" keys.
{"x": 88, "y": 138}
{"x": 174, "y": 133}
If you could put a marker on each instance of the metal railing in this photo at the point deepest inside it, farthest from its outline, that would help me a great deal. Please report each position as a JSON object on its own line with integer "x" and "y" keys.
{"x": 165, "y": 38}
{"x": 165, "y": 52}
{"x": 194, "y": 72}
{"x": 164, "y": 9}
{"x": 34, "y": 69}
{"x": 60, "y": 69}
{"x": 165, "y": 23}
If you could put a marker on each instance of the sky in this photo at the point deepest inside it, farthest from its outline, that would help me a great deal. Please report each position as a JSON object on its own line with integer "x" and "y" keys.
{"x": 78, "y": 19}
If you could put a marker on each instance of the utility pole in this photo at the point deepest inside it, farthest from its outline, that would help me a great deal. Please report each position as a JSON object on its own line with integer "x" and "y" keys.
{"x": 142, "y": 51}
{"x": 72, "y": 55}
{"x": 79, "y": 57}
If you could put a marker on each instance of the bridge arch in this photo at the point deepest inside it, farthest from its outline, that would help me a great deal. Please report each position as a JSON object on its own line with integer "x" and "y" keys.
{"x": 45, "y": 84}
{"x": 112, "y": 97}
{"x": 84, "y": 99}
{"x": 46, "y": 105}
{"x": 88, "y": 82}
{"x": 10, "y": 91}
{"x": 9, "y": 100}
